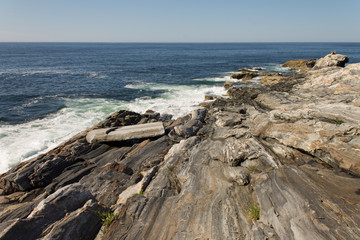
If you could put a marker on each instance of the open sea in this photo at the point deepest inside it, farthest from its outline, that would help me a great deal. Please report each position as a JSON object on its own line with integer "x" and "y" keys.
{"x": 51, "y": 91}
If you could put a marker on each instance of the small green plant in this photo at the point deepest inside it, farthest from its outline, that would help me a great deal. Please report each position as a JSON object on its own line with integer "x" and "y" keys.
{"x": 106, "y": 218}
{"x": 337, "y": 122}
{"x": 141, "y": 192}
{"x": 254, "y": 212}
{"x": 171, "y": 168}
{"x": 251, "y": 168}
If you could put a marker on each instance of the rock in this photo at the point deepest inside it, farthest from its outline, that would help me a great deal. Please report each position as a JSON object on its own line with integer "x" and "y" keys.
{"x": 239, "y": 175}
{"x": 300, "y": 64}
{"x": 273, "y": 79}
{"x": 331, "y": 60}
{"x": 175, "y": 216}
{"x": 80, "y": 224}
{"x": 244, "y": 75}
{"x": 138, "y": 188}
{"x": 191, "y": 127}
{"x": 49, "y": 210}
{"x": 121, "y": 118}
{"x": 198, "y": 114}
{"x": 289, "y": 150}
{"x": 300, "y": 203}
{"x": 228, "y": 119}
{"x": 228, "y": 84}
{"x": 125, "y": 133}
{"x": 209, "y": 97}
{"x": 247, "y": 93}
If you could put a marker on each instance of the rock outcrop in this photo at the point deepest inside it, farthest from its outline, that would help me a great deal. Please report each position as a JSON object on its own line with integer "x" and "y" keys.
{"x": 331, "y": 60}
{"x": 300, "y": 64}
{"x": 245, "y": 74}
{"x": 276, "y": 161}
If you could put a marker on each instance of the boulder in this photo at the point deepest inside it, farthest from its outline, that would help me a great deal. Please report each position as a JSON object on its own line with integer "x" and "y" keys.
{"x": 191, "y": 127}
{"x": 228, "y": 84}
{"x": 126, "y": 133}
{"x": 300, "y": 64}
{"x": 332, "y": 60}
{"x": 247, "y": 75}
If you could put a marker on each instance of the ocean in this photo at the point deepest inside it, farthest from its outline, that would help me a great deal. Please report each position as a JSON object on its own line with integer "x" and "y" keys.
{"x": 51, "y": 91}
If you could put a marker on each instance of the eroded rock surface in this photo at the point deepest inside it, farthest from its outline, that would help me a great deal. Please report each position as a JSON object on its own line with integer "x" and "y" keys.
{"x": 279, "y": 161}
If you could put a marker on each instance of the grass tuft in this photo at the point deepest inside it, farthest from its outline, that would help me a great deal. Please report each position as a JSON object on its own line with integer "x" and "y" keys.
{"x": 254, "y": 212}
{"x": 106, "y": 218}
{"x": 251, "y": 168}
{"x": 337, "y": 122}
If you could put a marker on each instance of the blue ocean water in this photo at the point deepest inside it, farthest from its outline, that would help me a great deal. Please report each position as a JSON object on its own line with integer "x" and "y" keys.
{"x": 51, "y": 91}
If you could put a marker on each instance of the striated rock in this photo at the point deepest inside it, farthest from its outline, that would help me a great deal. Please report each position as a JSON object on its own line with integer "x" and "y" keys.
{"x": 49, "y": 210}
{"x": 138, "y": 188}
{"x": 304, "y": 203}
{"x": 332, "y": 60}
{"x": 125, "y": 133}
{"x": 80, "y": 224}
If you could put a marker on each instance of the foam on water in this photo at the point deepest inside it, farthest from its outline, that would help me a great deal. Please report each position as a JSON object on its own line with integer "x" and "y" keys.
{"x": 217, "y": 79}
{"x": 178, "y": 100}
{"x": 23, "y": 141}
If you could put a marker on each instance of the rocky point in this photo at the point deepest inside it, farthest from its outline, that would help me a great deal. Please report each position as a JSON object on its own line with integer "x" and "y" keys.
{"x": 279, "y": 160}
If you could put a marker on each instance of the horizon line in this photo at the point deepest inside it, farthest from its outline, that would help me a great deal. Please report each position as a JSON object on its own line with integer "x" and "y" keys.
{"x": 178, "y": 42}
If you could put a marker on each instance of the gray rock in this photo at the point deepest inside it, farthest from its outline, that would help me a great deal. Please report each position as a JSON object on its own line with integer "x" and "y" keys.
{"x": 80, "y": 224}
{"x": 125, "y": 133}
{"x": 302, "y": 204}
{"x": 49, "y": 210}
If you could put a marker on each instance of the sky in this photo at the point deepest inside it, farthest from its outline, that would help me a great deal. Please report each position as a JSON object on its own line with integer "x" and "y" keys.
{"x": 179, "y": 21}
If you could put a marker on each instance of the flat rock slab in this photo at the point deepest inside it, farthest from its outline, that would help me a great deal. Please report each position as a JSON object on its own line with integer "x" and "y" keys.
{"x": 126, "y": 133}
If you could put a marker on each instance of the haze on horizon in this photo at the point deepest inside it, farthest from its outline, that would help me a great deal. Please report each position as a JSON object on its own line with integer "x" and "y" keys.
{"x": 179, "y": 21}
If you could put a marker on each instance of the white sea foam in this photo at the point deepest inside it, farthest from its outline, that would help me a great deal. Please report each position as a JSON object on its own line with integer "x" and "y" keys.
{"x": 52, "y": 71}
{"x": 23, "y": 141}
{"x": 178, "y": 100}
{"x": 217, "y": 79}
{"x": 96, "y": 75}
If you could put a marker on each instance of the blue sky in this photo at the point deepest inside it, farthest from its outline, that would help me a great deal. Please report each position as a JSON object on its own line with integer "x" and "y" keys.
{"x": 179, "y": 21}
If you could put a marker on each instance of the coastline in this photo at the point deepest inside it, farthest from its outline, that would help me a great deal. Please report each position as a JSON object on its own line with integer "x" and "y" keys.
{"x": 276, "y": 147}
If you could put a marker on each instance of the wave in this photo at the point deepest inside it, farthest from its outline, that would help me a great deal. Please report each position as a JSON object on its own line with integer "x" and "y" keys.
{"x": 178, "y": 100}
{"x": 56, "y": 72}
{"x": 23, "y": 141}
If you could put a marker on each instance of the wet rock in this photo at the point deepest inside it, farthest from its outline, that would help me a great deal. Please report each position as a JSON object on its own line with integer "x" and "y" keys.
{"x": 228, "y": 84}
{"x": 245, "y": 74}
{"x": 300, "y": 64}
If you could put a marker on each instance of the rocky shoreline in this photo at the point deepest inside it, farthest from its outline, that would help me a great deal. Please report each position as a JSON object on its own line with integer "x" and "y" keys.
{"x": 279, "y": 160}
